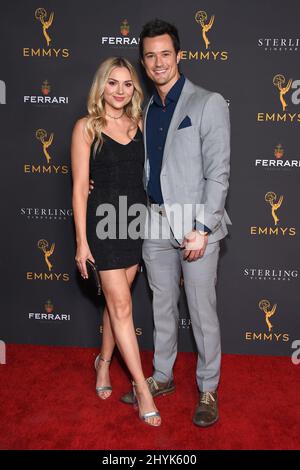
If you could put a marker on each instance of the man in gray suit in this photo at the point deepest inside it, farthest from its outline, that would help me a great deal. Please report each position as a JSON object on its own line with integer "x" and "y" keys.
{"x": 186, "y": 130}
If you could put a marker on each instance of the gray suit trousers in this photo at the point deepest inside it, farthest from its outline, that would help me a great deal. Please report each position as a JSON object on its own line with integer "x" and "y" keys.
{"x": 164, "y": 262}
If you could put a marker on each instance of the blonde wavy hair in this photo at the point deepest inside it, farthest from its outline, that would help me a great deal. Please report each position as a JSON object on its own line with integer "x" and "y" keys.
{"x": 96, "y": 111}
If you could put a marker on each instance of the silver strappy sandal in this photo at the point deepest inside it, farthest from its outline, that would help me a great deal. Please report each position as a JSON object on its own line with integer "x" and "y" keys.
{"x": 150, "y": 414}
{"x": 106, "y": 388}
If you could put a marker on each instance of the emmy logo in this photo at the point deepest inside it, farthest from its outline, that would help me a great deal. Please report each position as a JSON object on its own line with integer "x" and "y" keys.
{"x": 46, "y": 88}
{"x": 270, "y": 197}
{"x": 278, "y": 152}
{"x": 48, "y": 306}
{"x": 124, "y": 28}
{"x": 278, "y": 81}
{"x": 41, "y": 135}
{"x": 201, "y": 17}
{"x": 41, "y": 15}
{"x": 265, "y": 305}
{"x": 43, "y": 246}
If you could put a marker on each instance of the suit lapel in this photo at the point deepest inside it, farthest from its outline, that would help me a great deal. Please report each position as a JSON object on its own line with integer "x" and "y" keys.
{"x": 177, "y": 117}
{"x": 187, "y": 89}
{"x": 145, "y": 127}
{"x": 146, "y": 162}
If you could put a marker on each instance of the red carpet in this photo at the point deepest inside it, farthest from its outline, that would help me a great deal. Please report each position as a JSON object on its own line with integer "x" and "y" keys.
{"x": 48, "y": 402}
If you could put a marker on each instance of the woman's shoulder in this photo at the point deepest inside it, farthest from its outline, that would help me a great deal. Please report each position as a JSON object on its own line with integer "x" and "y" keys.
{"x": 81, "y": 123}
{"x": 80, "y": 129}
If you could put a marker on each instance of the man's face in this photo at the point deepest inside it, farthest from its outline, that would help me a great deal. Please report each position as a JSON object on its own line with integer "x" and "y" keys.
{"x": 160, "y": 60}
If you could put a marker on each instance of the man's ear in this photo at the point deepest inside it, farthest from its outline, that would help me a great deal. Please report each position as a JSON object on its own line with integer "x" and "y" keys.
{"x": 178, "y": 58}
{"x": 142, "y": 62}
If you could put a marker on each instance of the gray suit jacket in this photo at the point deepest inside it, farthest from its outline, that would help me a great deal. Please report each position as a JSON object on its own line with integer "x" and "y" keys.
{"x": 195, "y": 168}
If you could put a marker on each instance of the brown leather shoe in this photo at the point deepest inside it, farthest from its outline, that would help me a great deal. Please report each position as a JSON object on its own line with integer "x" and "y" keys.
{"x": 206, "y": 412}
{"x": 156, "y": 388}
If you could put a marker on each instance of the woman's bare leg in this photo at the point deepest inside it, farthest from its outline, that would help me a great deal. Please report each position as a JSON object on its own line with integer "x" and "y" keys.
{"x": 118, "y": 299}
{"x": 108, "y": 343}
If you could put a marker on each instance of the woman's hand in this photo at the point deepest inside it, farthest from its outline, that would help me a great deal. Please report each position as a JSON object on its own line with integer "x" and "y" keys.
{"x": 82, "y": 254}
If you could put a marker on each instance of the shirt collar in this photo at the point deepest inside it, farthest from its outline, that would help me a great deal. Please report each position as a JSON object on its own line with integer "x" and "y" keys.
{"x": 173, "y": 94}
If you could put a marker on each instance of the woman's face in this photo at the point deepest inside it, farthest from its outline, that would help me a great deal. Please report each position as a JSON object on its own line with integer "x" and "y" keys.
{"x": 119, "y": 88}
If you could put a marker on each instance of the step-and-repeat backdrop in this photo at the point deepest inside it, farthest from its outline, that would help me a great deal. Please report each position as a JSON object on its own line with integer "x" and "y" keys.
{"x": 246, "y": 50}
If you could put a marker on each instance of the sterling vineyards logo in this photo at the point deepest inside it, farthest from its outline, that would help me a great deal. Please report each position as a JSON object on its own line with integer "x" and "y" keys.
{"x": 46, "y": 213}
{"x": 270, "y": 274}
{"x": 279, "y": 44}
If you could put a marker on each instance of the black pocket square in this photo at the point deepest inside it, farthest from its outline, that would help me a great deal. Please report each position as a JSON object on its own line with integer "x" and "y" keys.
{"x": 185, "y": 123}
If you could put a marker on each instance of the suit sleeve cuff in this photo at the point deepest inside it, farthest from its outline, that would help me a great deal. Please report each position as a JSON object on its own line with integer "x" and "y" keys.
{"x": 202, "y": 228}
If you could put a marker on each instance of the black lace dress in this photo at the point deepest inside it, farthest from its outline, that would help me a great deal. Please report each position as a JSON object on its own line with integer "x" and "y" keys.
{"x": 117, "y": 172}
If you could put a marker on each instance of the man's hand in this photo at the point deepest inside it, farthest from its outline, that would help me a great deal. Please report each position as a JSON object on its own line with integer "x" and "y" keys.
{"x": 91, "y": 186}
{"x": 194, "y": 244}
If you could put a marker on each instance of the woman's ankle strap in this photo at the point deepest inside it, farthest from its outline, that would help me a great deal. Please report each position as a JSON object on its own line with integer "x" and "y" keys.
{"x": 137, "y": 385}
{"x": 108, "y": 361}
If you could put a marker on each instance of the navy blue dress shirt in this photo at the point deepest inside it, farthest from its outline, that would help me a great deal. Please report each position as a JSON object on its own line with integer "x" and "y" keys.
{"x": 158, "y": 121}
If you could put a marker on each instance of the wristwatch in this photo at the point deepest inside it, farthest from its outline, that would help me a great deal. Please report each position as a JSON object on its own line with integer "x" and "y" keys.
{"x": 202, "y": 229}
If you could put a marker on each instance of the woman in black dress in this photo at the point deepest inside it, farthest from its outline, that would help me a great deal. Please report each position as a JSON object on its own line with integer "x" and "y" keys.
{"x": 107, "y": 146}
